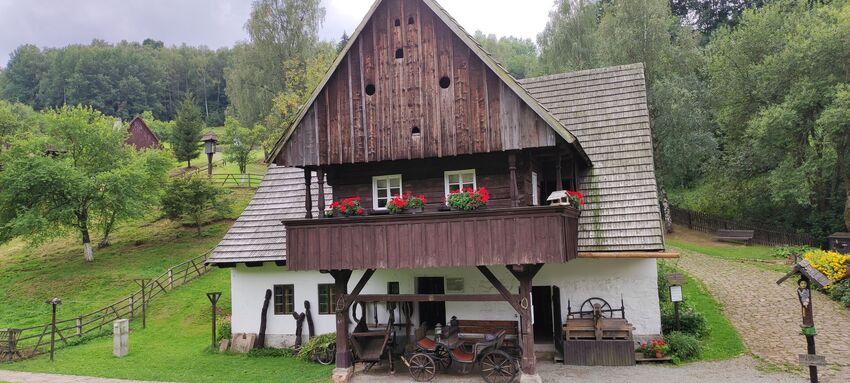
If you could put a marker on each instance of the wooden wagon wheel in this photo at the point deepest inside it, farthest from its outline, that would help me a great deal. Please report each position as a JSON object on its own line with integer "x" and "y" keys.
{"x": 442, "y": 357}
{"x": 422, "y": 367}
{"x": 362, "y": 311}
{"x": 325, "y": 355}
{"x": 588, "y": 305}
{"x": 498, "y": 367}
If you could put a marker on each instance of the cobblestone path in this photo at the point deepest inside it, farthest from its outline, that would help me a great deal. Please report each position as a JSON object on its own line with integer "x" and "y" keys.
{"x": 768, "y": 316}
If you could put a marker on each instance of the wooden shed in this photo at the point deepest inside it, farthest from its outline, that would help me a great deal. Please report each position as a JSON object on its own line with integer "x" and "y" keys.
{"x": 141, "y": 136}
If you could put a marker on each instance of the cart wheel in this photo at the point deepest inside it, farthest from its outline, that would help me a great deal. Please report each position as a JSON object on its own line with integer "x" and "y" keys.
{"x": 422, "y": 367}
{"x": 498, "y": 367}
{"x": 325, "y": 355}
{"x": 442, "y": 357}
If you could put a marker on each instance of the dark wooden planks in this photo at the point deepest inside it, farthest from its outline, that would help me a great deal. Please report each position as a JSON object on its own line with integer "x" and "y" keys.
{"x": 476, "y": 113}
{"x": 402, "y": 241}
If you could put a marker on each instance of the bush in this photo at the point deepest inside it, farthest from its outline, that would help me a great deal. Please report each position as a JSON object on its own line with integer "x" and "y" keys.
{"x": 223, "y": 330}
{"x": 840, "y": 293}
{"x": 783, "y": 252}
{"x": 324, "y": 341}
{"x": 683, "y": 346}
{"x": 691, "y": 321}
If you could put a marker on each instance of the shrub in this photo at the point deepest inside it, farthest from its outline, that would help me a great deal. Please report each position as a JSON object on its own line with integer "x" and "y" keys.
{"x": 840, "y": 292}
{"x": 690, "y": 321}
{"x": 683, "y": 346}
{"x": 193, "y": 197}
{"x": 223, "y": 329}
{"x": 323, "y": 341}
{"x": 783, "y": 252}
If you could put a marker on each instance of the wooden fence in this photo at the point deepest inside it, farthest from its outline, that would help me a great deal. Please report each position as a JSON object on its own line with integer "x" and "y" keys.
{"x": 762, "y": 235}
{"x": 247, "y": 180}
{"x": 31, "y": 341}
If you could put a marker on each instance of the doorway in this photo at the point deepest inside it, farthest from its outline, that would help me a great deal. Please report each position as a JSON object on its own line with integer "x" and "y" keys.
{"x": 431, "y": 312}
{"x": 541, "y": 304}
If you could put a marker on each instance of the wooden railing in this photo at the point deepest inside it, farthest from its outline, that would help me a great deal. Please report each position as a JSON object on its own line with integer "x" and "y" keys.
{"x": 246, "y": 180}
{"x": 28, "y": 342}
{"x": 762, "y": 235}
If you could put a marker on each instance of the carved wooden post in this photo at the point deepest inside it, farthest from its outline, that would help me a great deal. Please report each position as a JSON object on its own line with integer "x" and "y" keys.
{"x": 559, "y": 173}
{"x": 525, "y": 274}
{"x": 343, "y": 356}
{"x": 320, "y": 174}
{"x": 264, "y": 314}
{"x": 308, "y": 202}
{"x": 512, "y": 170}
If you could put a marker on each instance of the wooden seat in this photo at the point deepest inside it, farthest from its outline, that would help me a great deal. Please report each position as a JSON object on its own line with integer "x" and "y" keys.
{"x": 462, "y": 356}
{"x": 734, "y": 235}
{"x": 427, "y": 344}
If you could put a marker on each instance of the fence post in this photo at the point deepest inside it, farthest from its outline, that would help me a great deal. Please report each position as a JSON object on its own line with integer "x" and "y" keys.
{"x": 171, "y": 278}
{"x": 79, "y": 326}
{"x": 690, "y": 225}
{"x": 132, "y": 309}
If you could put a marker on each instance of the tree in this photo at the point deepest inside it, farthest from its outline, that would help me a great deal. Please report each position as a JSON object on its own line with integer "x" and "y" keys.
{"x": 517, "y": 55}
{"x": 14, "y": 118}
{"x": 280, "y": 31}
{"x": 188, "y": 129}
{"x": 194, "y": 197}
{"x": 708, "y": 15}
{"x": 44, "y": 194}
{"x": 240, "y": 142}
{"x": 835, "y": 123}
{"x": 568, "y": 42}
{"x": 22, "y": 75}
{"x": 342, "y": 41}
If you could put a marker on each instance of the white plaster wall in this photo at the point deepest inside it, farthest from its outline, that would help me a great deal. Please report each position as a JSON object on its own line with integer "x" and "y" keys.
{"x": 632, "y": 279}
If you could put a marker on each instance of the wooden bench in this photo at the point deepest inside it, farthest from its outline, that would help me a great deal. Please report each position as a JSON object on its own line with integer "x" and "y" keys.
{"x": 734, "y": 235}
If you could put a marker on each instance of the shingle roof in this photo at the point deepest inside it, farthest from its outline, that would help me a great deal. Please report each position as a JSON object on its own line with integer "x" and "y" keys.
{"x": 606, "y": 109}
{"x": 258, "y": 235}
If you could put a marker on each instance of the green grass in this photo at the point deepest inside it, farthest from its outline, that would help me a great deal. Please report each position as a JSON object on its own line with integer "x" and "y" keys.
{"x": 174, "y": 347}
{"x": 723, "y": 341}
{"x": 756, "y": 255}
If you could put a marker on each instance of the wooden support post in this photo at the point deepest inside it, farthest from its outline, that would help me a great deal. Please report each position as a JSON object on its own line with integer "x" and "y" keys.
{"x": 512, "y": 170}
{"x": 170, "y": 278}
{"x": 79, "y": 326}
{"x": 349, "y": 298}
{"x": 499, "y": 287}
{"x": 343, "y": 356}
{"x": 308, "y": 202}
{"x": 320, "y": 174}
{"x": 525, "y": 274}
{"x": 559, "y": 173}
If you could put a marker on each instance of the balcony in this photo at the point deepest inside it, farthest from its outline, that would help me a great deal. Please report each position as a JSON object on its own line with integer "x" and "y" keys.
{"x": 503, "y": 236}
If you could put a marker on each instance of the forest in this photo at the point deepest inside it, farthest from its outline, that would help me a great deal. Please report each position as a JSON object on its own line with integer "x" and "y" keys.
{"x": 749, "y": 99}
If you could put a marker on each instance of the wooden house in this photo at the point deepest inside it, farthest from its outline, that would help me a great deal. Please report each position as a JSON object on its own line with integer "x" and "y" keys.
{"x": 141, "y": 136}
{"x": 413, "y": 104}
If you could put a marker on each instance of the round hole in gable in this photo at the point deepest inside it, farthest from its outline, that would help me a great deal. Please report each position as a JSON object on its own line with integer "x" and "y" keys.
{"x": 415, "y": 131}
{"x": 370, "y": 89}
{"x": 445, "y": 81}
{"x": 399, "y": 53}
{"x": 397, "y": 22}
{"x": 410, "y": 20}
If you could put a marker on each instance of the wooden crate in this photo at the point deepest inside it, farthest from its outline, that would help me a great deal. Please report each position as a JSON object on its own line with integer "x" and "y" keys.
{"x": 588, "y": 352}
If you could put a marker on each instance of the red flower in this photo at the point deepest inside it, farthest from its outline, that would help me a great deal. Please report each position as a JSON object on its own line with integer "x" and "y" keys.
{"x": 359, "y": 211}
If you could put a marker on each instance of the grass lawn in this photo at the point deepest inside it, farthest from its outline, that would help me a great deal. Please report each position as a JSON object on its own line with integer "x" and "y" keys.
{"x": 723, "y": 341}
{"x": 756, "y": 255}
{"x": 174, "y": 347}
{"x": 31, "y": 275}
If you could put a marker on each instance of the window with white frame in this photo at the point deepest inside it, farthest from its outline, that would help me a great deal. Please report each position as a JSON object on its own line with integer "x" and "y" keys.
{"x": 383, "y": 189}
{"x": 535, "y": 194}
{"x": 459, "y": 179}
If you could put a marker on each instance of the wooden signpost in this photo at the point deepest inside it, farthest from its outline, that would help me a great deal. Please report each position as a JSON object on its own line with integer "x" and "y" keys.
{"x": 676, "y": 280}
{"x": 808, "y": 273}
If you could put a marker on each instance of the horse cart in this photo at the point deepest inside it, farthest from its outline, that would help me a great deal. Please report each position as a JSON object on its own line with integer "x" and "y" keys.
{"x": 497, "y": 363}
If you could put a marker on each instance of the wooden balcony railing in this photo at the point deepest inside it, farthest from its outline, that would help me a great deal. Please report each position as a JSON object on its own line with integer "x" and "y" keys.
{"x": 524, "y": 235}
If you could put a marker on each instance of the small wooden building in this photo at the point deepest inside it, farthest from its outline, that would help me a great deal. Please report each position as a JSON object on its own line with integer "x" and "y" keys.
{"x": 413, "y": 103}
{"x": 141, "y": 136}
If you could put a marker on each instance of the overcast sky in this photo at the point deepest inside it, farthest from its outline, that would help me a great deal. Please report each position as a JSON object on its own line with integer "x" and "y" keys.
{"x": 218, "y": 23}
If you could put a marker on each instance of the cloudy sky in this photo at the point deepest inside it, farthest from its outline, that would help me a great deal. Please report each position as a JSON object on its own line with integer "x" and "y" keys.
{"x": 218, "y": 23}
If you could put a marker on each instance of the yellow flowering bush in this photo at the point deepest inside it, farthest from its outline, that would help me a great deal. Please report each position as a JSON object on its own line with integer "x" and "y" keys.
{"x": 830, "y": 263}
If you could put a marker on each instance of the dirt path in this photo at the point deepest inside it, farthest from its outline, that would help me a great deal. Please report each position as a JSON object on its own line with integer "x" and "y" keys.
{"x": 767, "y": 315}
{"x": 32, "y": 377}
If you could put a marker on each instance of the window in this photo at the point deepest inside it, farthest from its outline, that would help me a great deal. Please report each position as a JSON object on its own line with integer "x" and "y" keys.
{"x": 459, "y": 179}
{"x": 383, "y": 189}
{"x": 535, "y": 194}
{"x": 327, "y": 298}
{"x": 392, "y": 288}
{"x": 284, "y": 299}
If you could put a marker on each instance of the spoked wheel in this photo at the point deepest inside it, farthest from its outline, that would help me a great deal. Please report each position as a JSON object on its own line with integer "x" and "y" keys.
{"x": 498, "y": 367}
{"x": 422, "y": 367}
{"x": 325, "y": 355}
{"x": 442, "y": 358}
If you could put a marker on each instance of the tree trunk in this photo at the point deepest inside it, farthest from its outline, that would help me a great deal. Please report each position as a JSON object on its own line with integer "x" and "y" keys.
{"x": 107, "y": 229}
{"x": 86, "y": 243}
{"x": 847, "y": 205}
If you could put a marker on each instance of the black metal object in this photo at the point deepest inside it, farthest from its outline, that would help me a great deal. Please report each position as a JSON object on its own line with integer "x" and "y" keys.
{"x": 53, "y": 303}
{"x": 586, "y": 309}
{"x": 213, "y": 297}
{"x": 264, "y": 313}
{"x": 143, "y": 282}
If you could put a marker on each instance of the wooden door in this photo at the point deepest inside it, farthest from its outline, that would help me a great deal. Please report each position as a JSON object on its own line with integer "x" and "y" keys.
{"x": 541, "y": 302}
{"x": 431, "y": 312}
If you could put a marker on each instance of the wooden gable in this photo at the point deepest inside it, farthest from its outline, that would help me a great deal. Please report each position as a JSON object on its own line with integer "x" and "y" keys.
{"x": 141, "y": 136}
{"x": 411, "y": 84}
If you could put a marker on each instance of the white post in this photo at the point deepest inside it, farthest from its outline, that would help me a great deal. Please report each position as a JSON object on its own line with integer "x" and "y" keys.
{"x": 121, "y": 334}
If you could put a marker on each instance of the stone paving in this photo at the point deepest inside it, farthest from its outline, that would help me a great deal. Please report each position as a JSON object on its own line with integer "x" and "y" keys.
{"x": 33, "y": 377}
{"x": 768, "y": 315}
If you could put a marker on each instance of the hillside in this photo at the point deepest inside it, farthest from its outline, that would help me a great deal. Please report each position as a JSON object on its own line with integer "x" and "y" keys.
{"x": 31, "y": 275}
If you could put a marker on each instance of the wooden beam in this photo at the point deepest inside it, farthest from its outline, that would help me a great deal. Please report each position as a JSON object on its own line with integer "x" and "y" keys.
{"x": 308, "y": 202}
{"x": 320, "y": 174}
{"x": 343, "y": 356}
{"x": 559, "y": 173}
{"x": 433, "y": 298}
{"x": 497, "y": 284}
{"x": 512, "y": 170}
{"x": 525, "y": 275}
{"x": 628, "y": 254}
{"x": 349, "y": 298}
